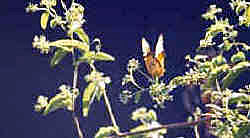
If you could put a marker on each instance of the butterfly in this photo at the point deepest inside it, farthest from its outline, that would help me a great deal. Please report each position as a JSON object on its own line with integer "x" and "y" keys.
{"x": 154, "y": 62}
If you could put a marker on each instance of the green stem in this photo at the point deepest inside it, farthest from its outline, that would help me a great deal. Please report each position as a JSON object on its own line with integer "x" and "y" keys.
{"x": 248, "y": 113}
{"x": 110, "y": 110}
{"x": 174, "y": 125}
{"x": 197, "y": 135}
{"x": 75, "y": 77}
{"x": 145, "y": 75}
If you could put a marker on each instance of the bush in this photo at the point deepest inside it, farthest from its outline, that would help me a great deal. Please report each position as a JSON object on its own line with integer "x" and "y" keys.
{"x": 219, "y": 60}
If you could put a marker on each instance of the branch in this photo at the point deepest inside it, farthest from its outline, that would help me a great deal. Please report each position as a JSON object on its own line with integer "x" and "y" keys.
{"x": 77, "y": 124}
{"x": 75, "y": 118}
{"x": 174, "y": 125}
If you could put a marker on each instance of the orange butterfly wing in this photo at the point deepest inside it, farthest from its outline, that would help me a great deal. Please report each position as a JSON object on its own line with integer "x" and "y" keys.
{"x": 154, "y": 65}
{"x": 160, "y": 55}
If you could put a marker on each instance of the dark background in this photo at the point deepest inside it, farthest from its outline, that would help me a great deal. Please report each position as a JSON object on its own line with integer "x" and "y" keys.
{"x": 25, "y": 73}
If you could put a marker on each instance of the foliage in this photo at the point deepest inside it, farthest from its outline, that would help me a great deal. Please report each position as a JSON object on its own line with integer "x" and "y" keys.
{"x": 220, "y": 59}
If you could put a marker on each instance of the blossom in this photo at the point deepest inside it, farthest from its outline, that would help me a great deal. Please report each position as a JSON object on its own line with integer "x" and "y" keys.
{"x": 42, "y": 44}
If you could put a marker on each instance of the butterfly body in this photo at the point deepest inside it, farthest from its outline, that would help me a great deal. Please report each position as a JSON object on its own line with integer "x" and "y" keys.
{"x": 154, "y": 62}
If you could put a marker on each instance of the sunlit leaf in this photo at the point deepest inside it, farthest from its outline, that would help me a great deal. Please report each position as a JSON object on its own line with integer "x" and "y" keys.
{"x": 215, "y": 107}
{"x": 58, "y": 56}
{"x": 99, "y": 95}
{"x": 239, "y": 97}
{"x": 82, "y": 35}
{"x": 87, "y": 95}
{"x": 53, "y": 23}
{"x": 103, "y": 132}
{"x": 97, "y": 56}
{"x": 55, "y": 103}
{"x": 238, "y": 57}
{"x": 68, "y": 44}
{"x": 44, "y": 20}
{"x": 101, "y": 56}
{"x": 219, "y": 60}
{"x": 234, "y": 73}
{"x": 215, "y": 73}
{"x": 248, "y": 16}
{"x": 137, "y": 97}
{"x": 53, "y": 2}
{"x": 86, "y": 57}
{"x": 239, "y": 9}
{"x": 243, "y": 132}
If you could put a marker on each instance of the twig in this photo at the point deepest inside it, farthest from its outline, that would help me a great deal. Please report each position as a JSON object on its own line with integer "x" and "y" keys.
{"x": 197, "y": 135}
{"x": 75, "y": 118}
{"x": 174, "y": 125}
{"x": 145, "y": 75}
{"x": 110, "y": 110}
{"x": 76, "y": 122}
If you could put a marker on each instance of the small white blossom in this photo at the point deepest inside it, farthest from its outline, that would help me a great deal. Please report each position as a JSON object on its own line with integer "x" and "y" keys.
{"x": 41, "y": 43}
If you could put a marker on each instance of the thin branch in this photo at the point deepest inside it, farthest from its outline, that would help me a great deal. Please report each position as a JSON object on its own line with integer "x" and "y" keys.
{"x": 77, "y": 124}
{"x": 145, "y": 75}
{"x": 110, "y": 110}
{"x": 174, "y": 125}
{"x": 75, "y": 77}
{"x": 197, "y": 135}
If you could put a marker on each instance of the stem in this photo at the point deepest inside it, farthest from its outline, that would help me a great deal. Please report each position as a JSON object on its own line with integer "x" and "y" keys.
{"x": 197, "y": 135}
{"x": 145, "y": 75}
{"x": 110, "y": 110}
{"x": 248, "y": 113}
{"x": 76, "y": 121}
{"x": 75, "y": 118}
{"x": 174, "y": 125}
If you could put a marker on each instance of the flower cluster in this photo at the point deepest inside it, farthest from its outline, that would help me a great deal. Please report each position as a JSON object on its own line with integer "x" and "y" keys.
{"x": 221, "y": 25}
{"x": 125, "y": 96}
{"x": 62, "y": 100}
{"x": 210, "y": 14}
{"x": 98, "y": 77}
{"x": 32, "y": 8}
{"x": 42, "y": 44}
{"x": 237, "y": 5}
{"x": 42, "y": 102}
{"x": 133, "y": 65}
{"x": 74, "y": 16}
{"x": 143, "y": 115}
{"x": 48, "y": 3}
{"x": 127, "y": 78}
{"x": 149, "y": 121}
{"x": 160, "y": 93}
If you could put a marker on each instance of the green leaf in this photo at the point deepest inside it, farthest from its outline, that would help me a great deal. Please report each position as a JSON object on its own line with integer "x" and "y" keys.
{"x": 87, "y": 57}
{"x": 101, "y": 56}
{"x": 99, "y": 95}
{"x": 238, "y": 57}
{"x": 55, "y": 103}
{"x": 104, "y": 132}
{"x": 53, "y": 2}
{"x": 87, "y": 95}
{"x": 82, "y": 35}
{"x": 234, "y": 73}
{"x": 239, "y": 97}
{"x": 239, "y": 9}
{"x": 44, "y": 20}
{"x": 243, "y": 132}
{"x": 137, "y": 97}
{"x": 53, "y": 23}
{"x": 58, "y": 56}
{"x": 215, "y": 73}
{"x": 219, "y": 60}
{"x": 68, "y": 44}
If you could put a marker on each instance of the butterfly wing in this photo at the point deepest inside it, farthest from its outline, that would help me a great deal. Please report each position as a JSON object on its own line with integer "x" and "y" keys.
{"x": 159, "y": 51}
{"x": 145, "y": 47}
